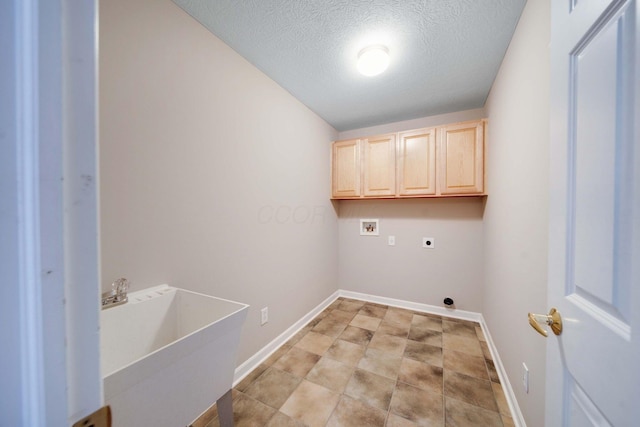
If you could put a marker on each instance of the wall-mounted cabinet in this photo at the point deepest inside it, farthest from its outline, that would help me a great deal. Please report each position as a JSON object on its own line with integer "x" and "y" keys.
{"x": 462, "y": 158}
{"x": 432, "y": 162}
{"x": 379, "y": 166}
{"x": 417, "y": 163}
{"x": 345, "y": 170}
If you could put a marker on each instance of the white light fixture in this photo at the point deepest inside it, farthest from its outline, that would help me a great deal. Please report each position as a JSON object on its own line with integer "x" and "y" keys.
{"x": 373, "y": 60}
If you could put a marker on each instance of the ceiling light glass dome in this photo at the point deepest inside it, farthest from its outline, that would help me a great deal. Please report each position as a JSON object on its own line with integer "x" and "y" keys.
{"x": 373, "y": 60}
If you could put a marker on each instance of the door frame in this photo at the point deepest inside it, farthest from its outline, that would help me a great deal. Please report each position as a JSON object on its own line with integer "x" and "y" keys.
{"x": 49, "y": 212}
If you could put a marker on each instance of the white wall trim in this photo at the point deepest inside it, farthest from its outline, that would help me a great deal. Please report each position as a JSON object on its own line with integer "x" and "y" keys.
{"x": 81, "y": 227}
{"x": 516, "y": 413}
{"x": 250, "y": 364}
{"x": 416, "y": 306}
{"x": 28, "y": 169}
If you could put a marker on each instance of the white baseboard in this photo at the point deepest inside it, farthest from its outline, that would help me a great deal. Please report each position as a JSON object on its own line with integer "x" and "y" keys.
{"x": 250, "y": 364}
{"x": 416, "y": 306}
{"x": 516, "y": 413}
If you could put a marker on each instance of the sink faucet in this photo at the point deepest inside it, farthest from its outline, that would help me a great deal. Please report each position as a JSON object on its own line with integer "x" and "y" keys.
{"x": 117, "y": 295}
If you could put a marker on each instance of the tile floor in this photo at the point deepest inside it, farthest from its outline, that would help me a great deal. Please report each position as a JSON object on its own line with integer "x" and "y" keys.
{"x": 365, "y": 364}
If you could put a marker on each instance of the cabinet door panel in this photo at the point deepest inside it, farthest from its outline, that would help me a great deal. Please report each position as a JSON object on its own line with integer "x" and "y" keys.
{"x": 379, "y": 165}
{"x": 461, "y": 159}
{"x": 417, "y": 163}
{"x": 346, "y": 169}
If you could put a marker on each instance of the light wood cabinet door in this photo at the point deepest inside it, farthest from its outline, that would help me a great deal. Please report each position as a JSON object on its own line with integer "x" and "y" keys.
{"x": 345, "y": 172}
{"x": 431, "y": 162}
{"x": 461, "y": 168}
{"x": 379, "y": 165}
{"x": 417, "y": 162}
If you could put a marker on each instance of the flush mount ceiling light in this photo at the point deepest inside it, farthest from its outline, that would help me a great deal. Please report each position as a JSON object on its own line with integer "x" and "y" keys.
{"x": 373, "y": 60}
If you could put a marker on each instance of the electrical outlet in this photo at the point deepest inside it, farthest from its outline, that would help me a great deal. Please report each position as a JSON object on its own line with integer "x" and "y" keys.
{"x": 428, "y": 242}
{"x": 264, "y": 315}
{"x": 525, "y": 377}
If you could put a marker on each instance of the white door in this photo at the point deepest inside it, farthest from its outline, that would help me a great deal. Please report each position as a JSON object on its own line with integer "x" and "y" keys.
{"x": 593, "y": 367}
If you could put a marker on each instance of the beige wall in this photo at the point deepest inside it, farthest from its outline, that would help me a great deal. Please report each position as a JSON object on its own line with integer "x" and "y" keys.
{"x": 213, "y": 178}
{"x": 419, "y": 123}
{"x": 515, "y": 217}
{"x": 407, "y": 271}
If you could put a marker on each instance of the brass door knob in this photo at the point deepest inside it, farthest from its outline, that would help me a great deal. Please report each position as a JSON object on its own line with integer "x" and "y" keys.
{"x": 553, "y": 319}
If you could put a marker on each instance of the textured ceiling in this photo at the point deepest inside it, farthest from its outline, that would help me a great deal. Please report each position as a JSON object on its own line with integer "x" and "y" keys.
{"x": 444, "y": 53}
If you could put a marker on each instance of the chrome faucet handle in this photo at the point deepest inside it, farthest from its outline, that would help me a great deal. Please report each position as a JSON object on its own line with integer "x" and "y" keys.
{"x": 118, "y": 294}
{"x": 120, "y": 286}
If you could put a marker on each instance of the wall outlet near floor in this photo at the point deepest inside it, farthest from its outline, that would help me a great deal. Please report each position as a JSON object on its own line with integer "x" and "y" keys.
{"x": 264, "y": 315}
{"x": 428, "y": 242}
{"x": 525, "y": 377}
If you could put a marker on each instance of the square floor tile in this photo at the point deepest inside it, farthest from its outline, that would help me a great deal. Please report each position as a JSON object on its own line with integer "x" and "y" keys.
{"x": 273, "y": 387}
{"x": 463, "y": 344}
{"x": 485, "y": 350}
{"x": 355, "y": 413}
{"x": 346, "y": 352}
{"x": 334, "y": 304}
{"x": 388, "y": 343}
{"x": 419, "y": 406}
{"x": 466, "y": 322}
{"x": 457, "y": 328}
{"x": 365, "y": 322}
{"x": 425, "y": 322}
{"x": 351, "y": 305}
{"x": 461, "y": 414}
{"x": 395, "y": 329}
{"x": 249, "y": 412}
{"x": 315, "y": 343}
{"x": 465, "y": 363}
{"x": 282, "y": 420}
{"x": 422, "y": 352}
{"x": 421, "y": 375}
{"x": 330, "y": 327}
{"x": 493, "y": 373}
{"x": 356, "y": 335}
{"x": 330, "y": 374}
{"x": 501, "y": 399}
{"x": 341, "y": 316}
{"x": 426, "y": 336}
{"x": 398, "y": 316}
{"x": 470, "y": 390}
{"x": 394, "y": 420}
{"x": 297, "y": 362}
{"x": 381, "y": 363}
{"x": 276, "y": 355}
{"x": 372, "y": 389}
{"x": 374, "y": 310}
{"x": 507, "y": 421}
{"x": 246, "y": 381}
{"x": 310, "y": 403}
{"x": 298, "y": 336}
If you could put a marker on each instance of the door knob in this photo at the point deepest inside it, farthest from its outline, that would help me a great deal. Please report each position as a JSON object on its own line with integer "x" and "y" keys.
{"x": 552, "y": 319}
